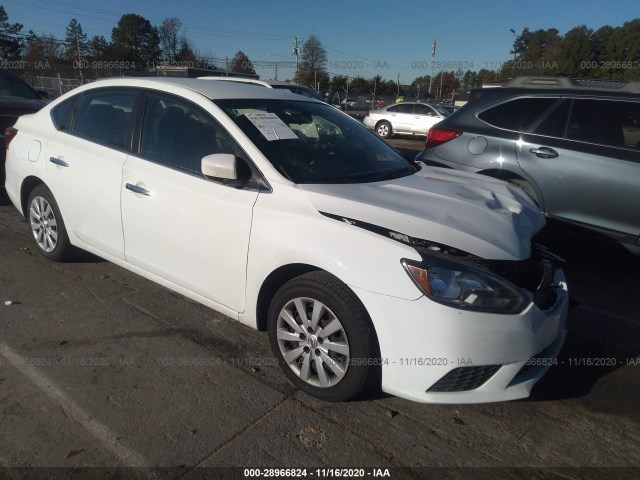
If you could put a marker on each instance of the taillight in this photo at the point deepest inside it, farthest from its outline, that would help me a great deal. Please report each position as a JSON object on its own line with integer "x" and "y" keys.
{"x": 9, "y": 135}
{"x": 366, "y": 114}
{"x": 438, "y": 136}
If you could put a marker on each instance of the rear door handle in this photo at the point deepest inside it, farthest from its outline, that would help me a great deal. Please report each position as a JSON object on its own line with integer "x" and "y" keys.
{"x": 544, "y": 152}
{"x": 57, "y": 161}
{"x": 137, "y": 189}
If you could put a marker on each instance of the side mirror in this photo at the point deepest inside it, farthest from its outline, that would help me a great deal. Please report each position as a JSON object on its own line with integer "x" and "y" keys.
{"x": 220, "y": 165}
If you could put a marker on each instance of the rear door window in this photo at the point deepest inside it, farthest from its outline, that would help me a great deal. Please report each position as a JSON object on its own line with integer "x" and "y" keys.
{"x": 555, "y": 123}
{"x": 104, "y": 117}
{"x": 425, "y": 110}
{"x": 605, "y": 122}
{"x": 516, "y": 114}
{"x": 401, "y": 108}
{"x": 61, "y": 113}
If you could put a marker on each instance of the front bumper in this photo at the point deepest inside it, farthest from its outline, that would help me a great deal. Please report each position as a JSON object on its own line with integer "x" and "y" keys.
{"x": 433, "y": 353}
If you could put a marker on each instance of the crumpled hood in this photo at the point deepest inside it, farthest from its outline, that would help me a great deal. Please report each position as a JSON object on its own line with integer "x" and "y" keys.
{"x": 478, "y": 214}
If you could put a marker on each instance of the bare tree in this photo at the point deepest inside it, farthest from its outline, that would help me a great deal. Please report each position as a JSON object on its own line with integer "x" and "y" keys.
{"x": 170, "y": 41}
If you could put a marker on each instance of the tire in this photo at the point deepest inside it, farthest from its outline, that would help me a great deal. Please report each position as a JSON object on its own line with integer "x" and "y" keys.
{"x": 383, "y": 129}
{"x": 47, "y": 226}
{"x": 334, "y": 373}
{"x": 526, "y": 188}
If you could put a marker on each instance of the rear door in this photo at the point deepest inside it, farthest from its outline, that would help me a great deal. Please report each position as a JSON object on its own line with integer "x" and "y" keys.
{"x": 401, "y": 117}
{"x": 585, "y": 158}
{"x": 84, "y": 162}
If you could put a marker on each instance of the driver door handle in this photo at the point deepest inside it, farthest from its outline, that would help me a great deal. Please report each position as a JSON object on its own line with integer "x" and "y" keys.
{"x": 544, "y": 152}
{"x": 137, "y": 189}
{"x": 57, "y": 161}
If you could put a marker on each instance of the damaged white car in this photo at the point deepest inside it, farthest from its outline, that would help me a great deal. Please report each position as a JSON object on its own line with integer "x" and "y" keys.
{"x": 291, "y": 217}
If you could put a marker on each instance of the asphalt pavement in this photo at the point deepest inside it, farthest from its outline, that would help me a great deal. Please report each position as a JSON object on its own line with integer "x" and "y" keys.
{"x": 102, "y": 368}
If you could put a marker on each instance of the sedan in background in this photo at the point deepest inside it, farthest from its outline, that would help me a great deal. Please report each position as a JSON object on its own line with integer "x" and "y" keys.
{"x": 16, "y": 98}
{"x": 409, "y": 118}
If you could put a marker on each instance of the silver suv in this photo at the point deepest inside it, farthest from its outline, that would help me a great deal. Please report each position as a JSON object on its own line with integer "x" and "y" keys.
{"x": 572, "y": 145}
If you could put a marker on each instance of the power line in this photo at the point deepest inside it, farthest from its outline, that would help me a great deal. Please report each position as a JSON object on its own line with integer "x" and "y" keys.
{"x": 206, "y": 29}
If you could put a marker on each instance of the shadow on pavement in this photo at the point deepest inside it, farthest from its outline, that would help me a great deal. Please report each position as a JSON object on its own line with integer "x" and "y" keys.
{"x": 603, "y": 325}
{"x": 4, "y": 199}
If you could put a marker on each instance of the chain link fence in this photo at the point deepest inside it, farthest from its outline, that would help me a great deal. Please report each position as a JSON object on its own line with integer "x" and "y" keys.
{"x": 58, "y": 79}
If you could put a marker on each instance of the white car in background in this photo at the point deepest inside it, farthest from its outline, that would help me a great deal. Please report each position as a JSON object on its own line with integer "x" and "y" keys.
{"x": 289, "y": 216}
{"x": 406, "y": 118}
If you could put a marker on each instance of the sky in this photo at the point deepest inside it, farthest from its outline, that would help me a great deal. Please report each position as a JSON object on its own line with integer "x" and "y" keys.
{"x": 362, "y": 38}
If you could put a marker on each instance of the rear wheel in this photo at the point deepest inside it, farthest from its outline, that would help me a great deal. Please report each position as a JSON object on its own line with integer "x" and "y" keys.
{"x": 322, "y": 337}
{"x": 383, "y": 129}
{"x": 47, "y": 225}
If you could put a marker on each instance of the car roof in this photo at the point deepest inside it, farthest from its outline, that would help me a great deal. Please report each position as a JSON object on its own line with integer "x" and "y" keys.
{"x": 254, "y": 81}
{"x": 485, "y": 96}
{"x": 211, "y": 90}
{"x": 576, "y": 84}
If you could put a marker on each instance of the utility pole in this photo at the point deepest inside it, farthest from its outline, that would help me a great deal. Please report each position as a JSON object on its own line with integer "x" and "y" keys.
{"x": 433, "y": 58}
{"x": 296, "y": 50}
{"x": 398, "y": 86}
{"x": 79, "y": 58}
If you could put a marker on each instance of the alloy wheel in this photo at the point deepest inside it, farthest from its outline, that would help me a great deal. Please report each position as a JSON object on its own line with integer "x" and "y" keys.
{"x": 313, "y": 342}
{"x": 43, "y": 224}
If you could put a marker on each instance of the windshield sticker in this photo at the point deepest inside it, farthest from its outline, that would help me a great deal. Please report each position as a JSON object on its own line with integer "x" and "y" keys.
{"x": 271, "y": 126}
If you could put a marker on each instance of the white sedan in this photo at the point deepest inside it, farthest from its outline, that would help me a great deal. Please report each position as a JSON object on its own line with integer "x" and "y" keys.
{"x": 410, "y": 118}
{"x": 289, "y": 216}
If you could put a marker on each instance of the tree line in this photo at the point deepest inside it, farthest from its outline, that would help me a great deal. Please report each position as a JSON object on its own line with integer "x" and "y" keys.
{"x": 134, "y": 42}
{"x": 608, "y": 53}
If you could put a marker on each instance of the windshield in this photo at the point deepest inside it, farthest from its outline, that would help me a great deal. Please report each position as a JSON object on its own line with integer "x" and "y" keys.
{"x": 312, "y": 142}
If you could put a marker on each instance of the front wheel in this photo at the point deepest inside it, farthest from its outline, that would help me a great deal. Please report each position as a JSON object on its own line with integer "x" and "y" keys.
{"x": 47, "y": 225}
{"x": 323, "y": 337}
{"x": 383, "y": 129}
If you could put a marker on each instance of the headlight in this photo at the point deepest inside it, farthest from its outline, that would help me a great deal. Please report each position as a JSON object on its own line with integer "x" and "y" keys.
{"x": 465, "y": 287}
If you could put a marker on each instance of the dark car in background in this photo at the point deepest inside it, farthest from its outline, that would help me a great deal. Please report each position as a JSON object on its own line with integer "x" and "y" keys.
{"x": 16, "y": 98}
{"x": 572, "y": 145}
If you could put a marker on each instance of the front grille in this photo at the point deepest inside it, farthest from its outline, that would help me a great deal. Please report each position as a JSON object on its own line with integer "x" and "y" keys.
{"x": 463, "y": 379}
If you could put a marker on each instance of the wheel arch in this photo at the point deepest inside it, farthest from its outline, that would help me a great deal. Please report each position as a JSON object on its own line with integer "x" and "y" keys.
{"x": 26, "y": 188}
{"x": 507, "y": 175}
{"x": 272, "y": 283}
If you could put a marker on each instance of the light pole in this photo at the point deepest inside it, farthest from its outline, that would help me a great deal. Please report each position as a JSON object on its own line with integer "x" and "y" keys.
{"x": 514, "y": 43}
